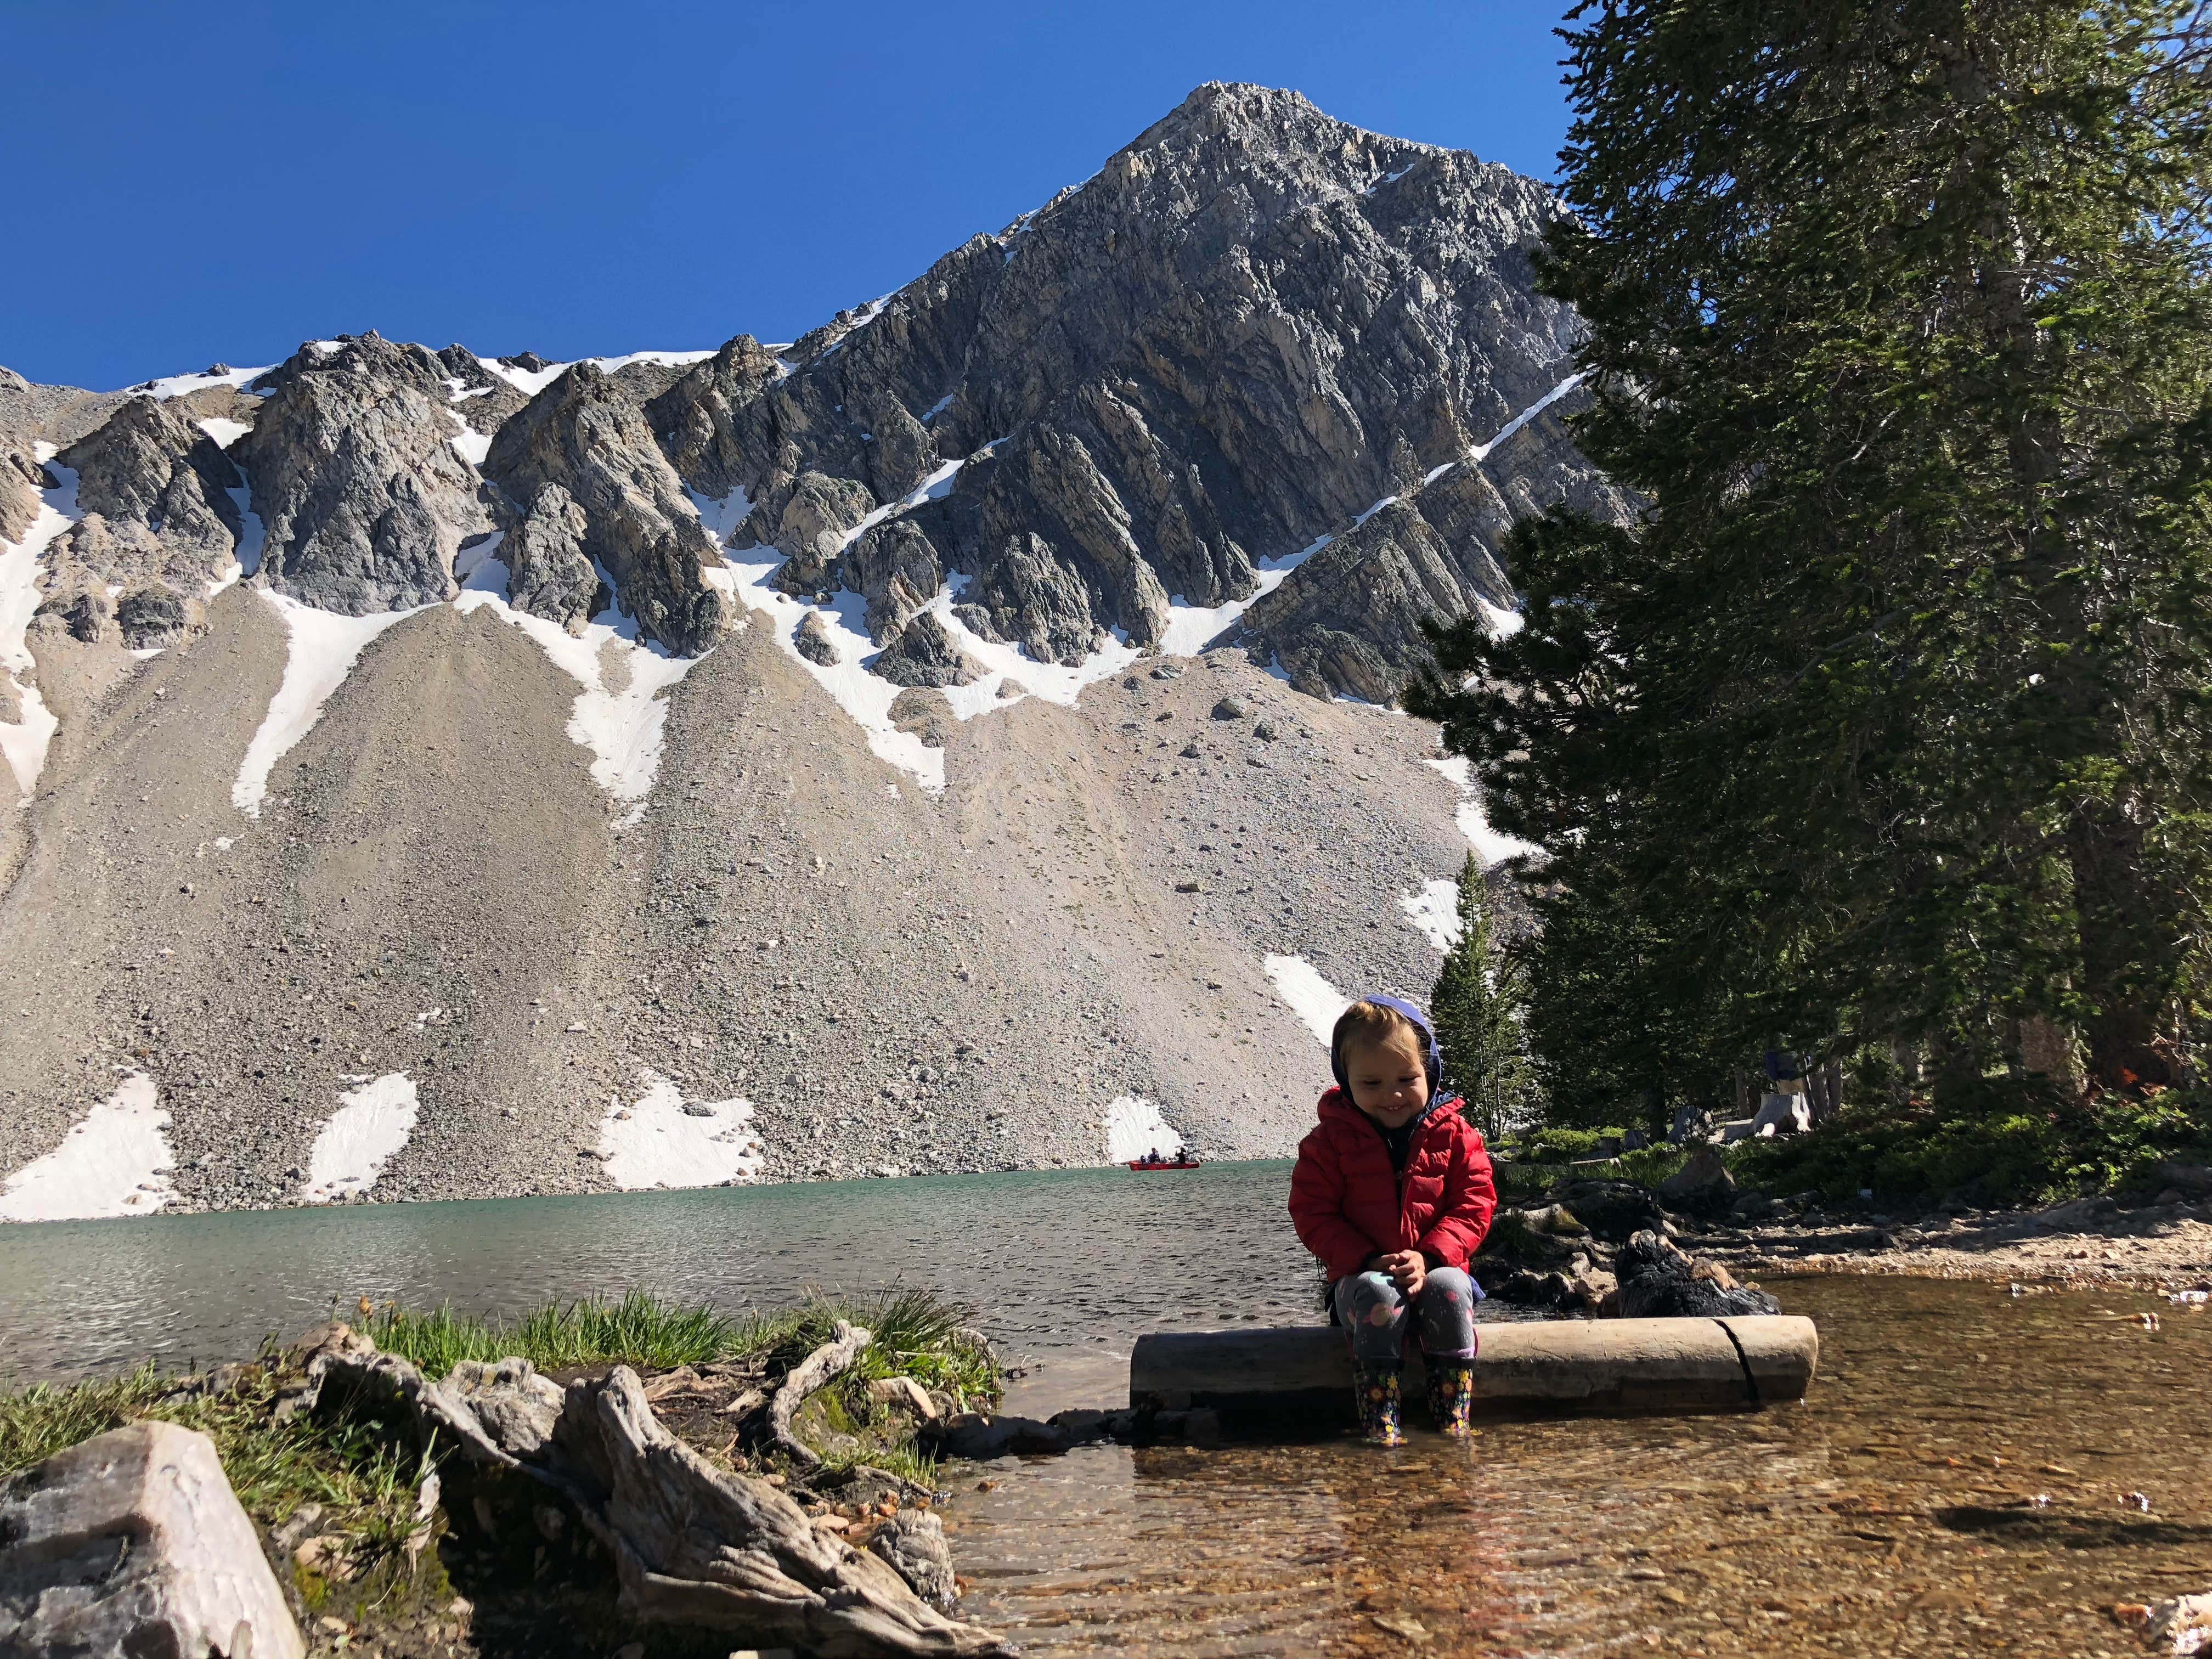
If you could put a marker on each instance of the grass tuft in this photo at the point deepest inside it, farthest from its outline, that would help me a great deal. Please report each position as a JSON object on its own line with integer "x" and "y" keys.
{"x": 640, "y": 1330}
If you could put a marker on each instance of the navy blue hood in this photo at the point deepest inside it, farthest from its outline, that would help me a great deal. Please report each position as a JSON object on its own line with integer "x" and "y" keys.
{"x": 1433, "y": 1053}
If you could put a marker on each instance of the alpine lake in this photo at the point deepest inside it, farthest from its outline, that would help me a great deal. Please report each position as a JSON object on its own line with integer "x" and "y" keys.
{"x": 1973, "y": 1471}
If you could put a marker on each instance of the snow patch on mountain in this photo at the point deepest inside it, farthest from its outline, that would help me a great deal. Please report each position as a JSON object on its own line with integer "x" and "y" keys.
{"x": 176, "y": 386}
{"x": 1008, "y": 664}
{"x": 1307, "y": 995}
{"x": 1134, "y": 1128}
{"x": 225, "y": 433}
{"x": 666, "y": 1140}
{"x": 1435, "y": 912}
{"x": 114, "y": 1161}
{"x": 531, "y": 381}
{"x": 325, "y": 646}
{"x": 1193, "y": 628}
{"x": 619, "y": 715}
{"x": 369, "y": 1129}
{"x": 470, "y": 444}
{"x": 865, "y": 697}
{"x": 24, "y": 743}
{"x": 1491, "y": 846}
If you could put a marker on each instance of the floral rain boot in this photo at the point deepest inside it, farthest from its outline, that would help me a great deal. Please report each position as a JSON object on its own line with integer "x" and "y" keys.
{"x": 1375, "y": 1396}
{"x": 1451, "y": 1396}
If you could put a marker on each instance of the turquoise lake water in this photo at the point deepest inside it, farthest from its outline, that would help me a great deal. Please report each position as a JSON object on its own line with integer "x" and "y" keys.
{"x": 1050, "y": 1261}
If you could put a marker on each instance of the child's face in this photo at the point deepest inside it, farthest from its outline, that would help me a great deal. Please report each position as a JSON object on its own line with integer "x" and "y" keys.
{"x": 1389, "y": 1078}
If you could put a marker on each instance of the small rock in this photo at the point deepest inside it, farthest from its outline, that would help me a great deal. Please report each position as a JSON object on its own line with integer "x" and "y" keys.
{"x": 1404, "y": 1624}
{"x": 1230, "y": 709}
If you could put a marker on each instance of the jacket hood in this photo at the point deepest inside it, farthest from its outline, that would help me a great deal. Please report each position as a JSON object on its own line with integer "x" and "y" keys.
{"x": 1431, "y": 1051}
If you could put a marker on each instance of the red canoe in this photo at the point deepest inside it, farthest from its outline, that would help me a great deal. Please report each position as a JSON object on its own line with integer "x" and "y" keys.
{"x": 1138, "y": 1163}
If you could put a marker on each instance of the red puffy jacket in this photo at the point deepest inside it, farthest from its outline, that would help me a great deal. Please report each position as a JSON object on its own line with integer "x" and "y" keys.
{"x": 1348, "y": 1204}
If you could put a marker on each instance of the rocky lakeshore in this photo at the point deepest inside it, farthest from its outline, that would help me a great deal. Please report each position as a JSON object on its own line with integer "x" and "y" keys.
{"x": 1558, "y": 1253}
{"x": 719, "y": 1482}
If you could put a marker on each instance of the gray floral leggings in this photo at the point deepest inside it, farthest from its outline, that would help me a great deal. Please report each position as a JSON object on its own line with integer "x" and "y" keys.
{"x": 1371, "y": 1308}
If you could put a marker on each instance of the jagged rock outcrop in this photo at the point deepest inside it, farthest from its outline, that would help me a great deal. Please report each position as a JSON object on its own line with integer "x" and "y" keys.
{"x": 22, "y": 407}
{"x": 925, "y": 654}
{"x": 1347, "y": 621}
{"x": 1254, "y": 323}
{"x": 550, "y": 574}
{"x": 159, "y": 522}
{"x": 585, "y": 437}
{"x": 362, "y": 495}
{"x": 896, "y": 566}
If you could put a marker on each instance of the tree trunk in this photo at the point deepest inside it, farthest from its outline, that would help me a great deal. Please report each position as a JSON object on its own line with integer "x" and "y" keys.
{"x": 2123, "y": 967}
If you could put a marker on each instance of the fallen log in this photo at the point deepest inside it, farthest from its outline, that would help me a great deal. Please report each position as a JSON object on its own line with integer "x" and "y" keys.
{"x": 1299, "y": 1379}
{"x": 831, "y": 1360}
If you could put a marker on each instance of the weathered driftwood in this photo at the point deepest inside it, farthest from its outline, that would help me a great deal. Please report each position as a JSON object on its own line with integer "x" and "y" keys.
{"x": 691, "y": 1545}
{"x": 845, "y": 1344}
{"x": 343, "y": 1356}
{"x": 694, "y": 1546}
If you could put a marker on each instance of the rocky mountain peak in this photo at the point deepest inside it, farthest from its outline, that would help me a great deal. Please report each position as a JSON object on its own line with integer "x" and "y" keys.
{"x": 1006, "y": 734}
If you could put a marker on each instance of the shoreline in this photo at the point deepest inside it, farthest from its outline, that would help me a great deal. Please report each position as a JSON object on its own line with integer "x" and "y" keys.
{"x": 2086, "y": 1243}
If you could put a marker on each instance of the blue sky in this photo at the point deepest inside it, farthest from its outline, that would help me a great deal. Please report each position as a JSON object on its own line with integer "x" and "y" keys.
{"x": 221, "y": 180}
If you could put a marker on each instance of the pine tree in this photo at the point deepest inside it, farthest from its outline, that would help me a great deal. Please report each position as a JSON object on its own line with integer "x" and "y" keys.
{"x": 1890, "y": 720}
{"x": 1478, "y": 1014}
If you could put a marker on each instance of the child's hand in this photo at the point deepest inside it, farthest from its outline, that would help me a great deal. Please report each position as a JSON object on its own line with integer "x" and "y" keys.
{"x": 1407, "y": 1268}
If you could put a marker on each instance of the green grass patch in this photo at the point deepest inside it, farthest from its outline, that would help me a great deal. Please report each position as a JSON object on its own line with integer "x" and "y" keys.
{"x": 1996, "y": 1143}
{"x": 640, "y": 1330}
{"x": 1561, "y": 1146}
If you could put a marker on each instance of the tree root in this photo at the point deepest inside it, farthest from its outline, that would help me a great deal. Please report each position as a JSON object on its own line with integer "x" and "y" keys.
{"x": 831, "y": 1360}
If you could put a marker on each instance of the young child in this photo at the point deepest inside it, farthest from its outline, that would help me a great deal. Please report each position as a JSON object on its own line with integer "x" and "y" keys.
{"x": 1393, "y": 1192}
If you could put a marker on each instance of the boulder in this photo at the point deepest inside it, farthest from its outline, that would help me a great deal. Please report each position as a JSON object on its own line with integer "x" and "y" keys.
{"x": 1659, "y": 1281}
{"x": 978, "y": 1438}
{"x": 812, "y": 641}
{"x": 2194, "y": 1179}
{"x": 518, "y": 1409}
{"x": 925, "y": 654}
{"x": 2075, "y": 1214}
{"x": 1692, "y": 1124}
{"x": 151, "y": 616}
{"x": 1613, "y": 1210}
{"x": 1519, "y": 1239}
{"x": 132, "y": 1543}
{"x": 913, "y": 1542}
{"x": 1702, "y": 1186}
